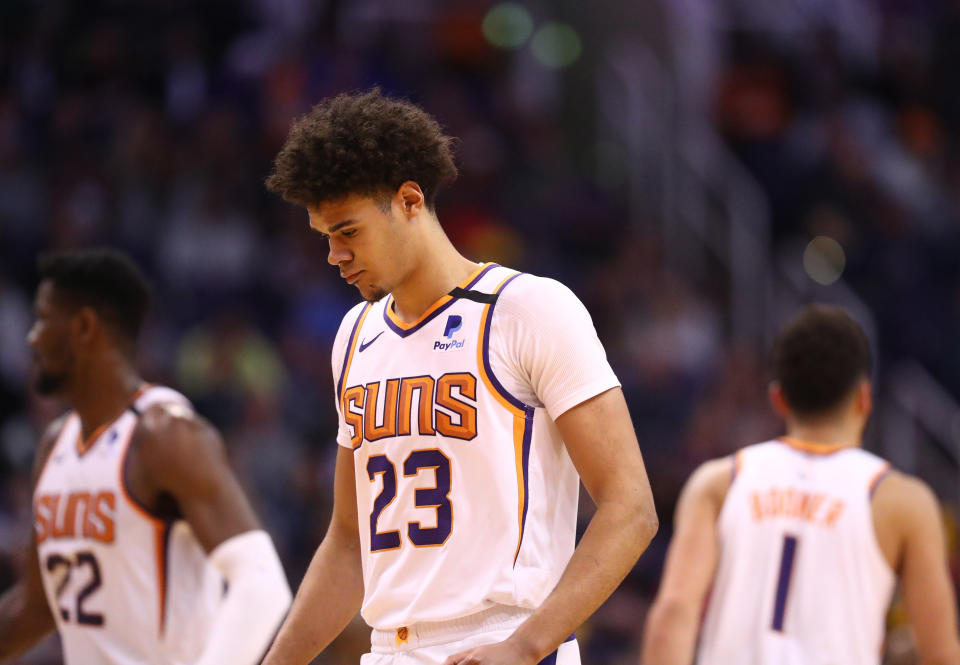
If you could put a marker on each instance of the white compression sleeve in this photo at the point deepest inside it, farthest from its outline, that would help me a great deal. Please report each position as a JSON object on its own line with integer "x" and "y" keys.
{"x": 256, "y": 602}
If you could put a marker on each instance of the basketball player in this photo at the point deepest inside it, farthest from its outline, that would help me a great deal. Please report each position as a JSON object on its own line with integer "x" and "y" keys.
{"x": 145, "y": 549}
{"x": 470, "y": 397}
{"x": 799, "y": 541}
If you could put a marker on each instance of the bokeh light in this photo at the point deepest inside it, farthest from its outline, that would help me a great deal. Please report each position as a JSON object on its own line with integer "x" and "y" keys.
{"x": 556, "y": 45}
{"x": 824, "y": 260}
{"x": 507, "y": 25}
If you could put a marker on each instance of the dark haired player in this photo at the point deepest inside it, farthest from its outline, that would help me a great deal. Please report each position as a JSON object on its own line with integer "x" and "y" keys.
{"x": 799, "y": 541}
{"x": 470, "y": 397}
{"x": 145, "y": 549}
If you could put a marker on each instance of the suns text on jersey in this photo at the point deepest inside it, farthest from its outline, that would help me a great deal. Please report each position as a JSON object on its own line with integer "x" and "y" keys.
{"x": 76, "y": 515}
{"x": 446, "y": 406}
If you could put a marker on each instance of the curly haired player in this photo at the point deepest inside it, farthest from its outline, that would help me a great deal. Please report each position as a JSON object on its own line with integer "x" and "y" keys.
{"x": 472, "y": 398}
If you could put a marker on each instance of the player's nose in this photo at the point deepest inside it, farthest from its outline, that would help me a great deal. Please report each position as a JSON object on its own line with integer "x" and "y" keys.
{"x": 338, "y": 252}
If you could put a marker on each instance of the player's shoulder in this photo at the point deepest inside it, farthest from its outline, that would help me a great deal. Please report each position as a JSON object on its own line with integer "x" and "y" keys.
{"x": 525, "y": 284}
{"x": 169, "y": 430}
{"x": 902, "y": 493}
{"x": 906, "y": 508}
{"x": 168, "y": 418}
{"x": 536, "y": 296}
{"x": 711, "y": 480}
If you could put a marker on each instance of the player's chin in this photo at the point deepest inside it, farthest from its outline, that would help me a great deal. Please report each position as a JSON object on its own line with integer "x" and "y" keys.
{"x": 372, "y": 292}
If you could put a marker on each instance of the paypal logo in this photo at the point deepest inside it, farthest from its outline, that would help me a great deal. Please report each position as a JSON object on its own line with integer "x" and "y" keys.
{"x": 454, "y": 323}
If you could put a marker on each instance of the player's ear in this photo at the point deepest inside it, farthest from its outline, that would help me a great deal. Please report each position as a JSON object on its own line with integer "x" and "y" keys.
{"x": 777, "y": 400}
{"x": 864, "y": 398}
{"x": 411, "y": 199}
{"x": 84, "y": 325}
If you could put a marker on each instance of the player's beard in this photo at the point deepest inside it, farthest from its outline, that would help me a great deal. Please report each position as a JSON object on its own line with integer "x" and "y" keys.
{"x": 376, "y": 294}
{"x": 48, "y": 383}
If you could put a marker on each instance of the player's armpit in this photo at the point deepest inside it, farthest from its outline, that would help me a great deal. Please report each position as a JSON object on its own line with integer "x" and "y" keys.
{"x": 178, "y": 453}
{"x": 924, "y": 576}
{"x": 670, "y": 633}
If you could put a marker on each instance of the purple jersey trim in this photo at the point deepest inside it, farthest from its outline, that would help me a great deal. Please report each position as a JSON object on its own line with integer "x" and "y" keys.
{"x": 486, "y": 355}
{"x": 879, "y": 479}
{"x": 346, "y": 356}
{"x": 526, "y": 408}
{"x": 167, "y": 527}
{"x": 527, "y": 435}
{"x": 437, "y": 312}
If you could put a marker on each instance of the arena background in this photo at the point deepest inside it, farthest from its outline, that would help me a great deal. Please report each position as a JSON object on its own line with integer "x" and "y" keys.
{"x": 693, "y": 169}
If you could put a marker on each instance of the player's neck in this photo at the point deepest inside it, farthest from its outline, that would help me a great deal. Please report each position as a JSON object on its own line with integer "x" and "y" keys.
{"x": 101, "y": 393}
{"x": 439, "y": 270}
{"x": 844, "y": 434}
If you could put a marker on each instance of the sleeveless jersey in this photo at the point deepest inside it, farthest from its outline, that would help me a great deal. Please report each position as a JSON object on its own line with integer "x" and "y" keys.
{"x": 466, "y": 496}
{"x": 801, "y": 578}
{"x": 125, "y": 587}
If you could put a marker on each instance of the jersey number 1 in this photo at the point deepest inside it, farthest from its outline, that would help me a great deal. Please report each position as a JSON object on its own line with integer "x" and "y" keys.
{"x": 436, "y": 497}
{"x": 783, "y": 581}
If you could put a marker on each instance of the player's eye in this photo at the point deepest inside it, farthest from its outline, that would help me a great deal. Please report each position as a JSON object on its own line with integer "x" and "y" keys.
{"x": 350, "y": 233}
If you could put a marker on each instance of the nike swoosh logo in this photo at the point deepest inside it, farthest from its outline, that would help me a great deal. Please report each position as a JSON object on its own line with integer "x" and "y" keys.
{"x": 364, "y": 345}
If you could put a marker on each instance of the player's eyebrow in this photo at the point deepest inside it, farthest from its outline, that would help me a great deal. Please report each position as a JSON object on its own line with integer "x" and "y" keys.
{"x": 339, "y": 225}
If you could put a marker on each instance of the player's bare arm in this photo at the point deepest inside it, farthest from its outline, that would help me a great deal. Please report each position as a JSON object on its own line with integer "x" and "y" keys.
{"x": 24, "y": 613}
{"x": 601, "y": 442}
{"x": 670, "y": 634}
{"x": 332, "y": 589}
{"x": 910, "y": 534}
{"x": 177, "y": 454}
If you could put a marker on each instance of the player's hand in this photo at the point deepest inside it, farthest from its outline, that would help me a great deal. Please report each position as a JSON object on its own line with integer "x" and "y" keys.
{"x": 501, "y": 653}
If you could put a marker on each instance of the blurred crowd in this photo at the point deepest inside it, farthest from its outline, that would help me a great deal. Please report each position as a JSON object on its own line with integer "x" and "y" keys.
{"x": 151, "y": 125}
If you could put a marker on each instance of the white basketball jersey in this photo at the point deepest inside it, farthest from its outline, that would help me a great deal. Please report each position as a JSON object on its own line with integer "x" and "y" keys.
{"x": 801, "y": 579}
{"x": 466, "y": 496}
{"x": 125, "y": 587}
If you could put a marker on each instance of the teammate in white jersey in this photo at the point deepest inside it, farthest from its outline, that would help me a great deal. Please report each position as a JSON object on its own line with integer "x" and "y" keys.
{"x": 145, "y": 549}
{"x": 798, "y": 542}
{"x": 470, "y": 397}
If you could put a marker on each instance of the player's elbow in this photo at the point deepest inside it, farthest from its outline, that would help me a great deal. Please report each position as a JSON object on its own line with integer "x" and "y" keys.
{"x": 650, "y": 527}
{"x": 644, "y": 524}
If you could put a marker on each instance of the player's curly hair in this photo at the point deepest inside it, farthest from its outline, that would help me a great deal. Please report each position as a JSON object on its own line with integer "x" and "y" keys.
{"x": 365, "y": 144}
{"x": 818, "y": 358}
{"x": 106, "y": 280}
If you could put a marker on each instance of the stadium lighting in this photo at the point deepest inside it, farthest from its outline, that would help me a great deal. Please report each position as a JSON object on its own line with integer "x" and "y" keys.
{"x": 507, "y": 25}
{"x": 824, "y": 260}
{"x": 556, "y": 45}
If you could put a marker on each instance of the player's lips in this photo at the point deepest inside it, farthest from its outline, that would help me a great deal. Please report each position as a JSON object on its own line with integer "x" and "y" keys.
{"x": 351, "y": 277}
